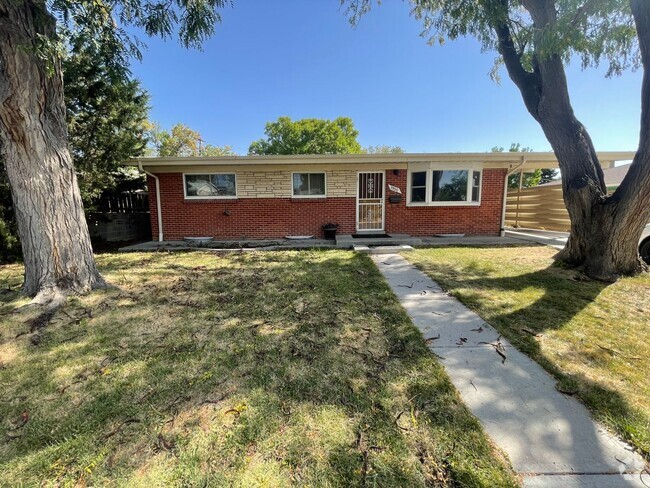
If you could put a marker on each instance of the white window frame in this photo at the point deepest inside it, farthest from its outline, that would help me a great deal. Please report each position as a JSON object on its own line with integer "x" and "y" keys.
{"x": 324, "y": 173}
{"x": 213, "y": 197}
{"x": 409, "y": 185}
{"x": 429, "y": 168}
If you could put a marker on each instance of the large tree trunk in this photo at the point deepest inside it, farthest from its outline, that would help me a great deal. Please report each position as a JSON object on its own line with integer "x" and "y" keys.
{"x": 51, "y": 223}
{"x": 605, "y": 229}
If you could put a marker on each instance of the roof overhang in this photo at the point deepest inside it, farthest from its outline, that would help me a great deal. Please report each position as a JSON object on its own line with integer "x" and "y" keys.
{"x": 510, "y": 160}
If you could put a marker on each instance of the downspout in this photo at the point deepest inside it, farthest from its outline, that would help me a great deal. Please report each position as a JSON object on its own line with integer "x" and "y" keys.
{"x": 521, "y": 185}
{"x": 158, "y": 209}
{"x": 505, "y": 195}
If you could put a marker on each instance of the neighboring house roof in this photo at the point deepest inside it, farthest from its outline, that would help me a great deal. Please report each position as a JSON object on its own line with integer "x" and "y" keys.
{"x": 613, "y": 176}
{"x": 510, "y": 160}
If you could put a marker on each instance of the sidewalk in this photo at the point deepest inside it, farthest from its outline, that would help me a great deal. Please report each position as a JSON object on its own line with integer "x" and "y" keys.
{"x": 550, "y": 438}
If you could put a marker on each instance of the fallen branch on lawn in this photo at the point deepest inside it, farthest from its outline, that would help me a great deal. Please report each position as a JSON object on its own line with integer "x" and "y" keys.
{"x": 614, "y": 352}
{"x": 119, "y": 427}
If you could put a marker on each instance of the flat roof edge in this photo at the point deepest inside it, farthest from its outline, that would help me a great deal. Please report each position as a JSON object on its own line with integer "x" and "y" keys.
{"x": 487, "y": 157}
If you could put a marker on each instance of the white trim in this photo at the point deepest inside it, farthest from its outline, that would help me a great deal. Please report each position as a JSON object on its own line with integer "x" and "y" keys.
{"x": 505, "y": 159}
{"x": 444, "y": 204}
{"x": 212, "y": 197}
{"x": 444, "y": 165}
{"x": 324, "y": 173}
{"x": 480, "y": 186}
{"x": 383, "y": 204}
{"x": 429, "y": 168}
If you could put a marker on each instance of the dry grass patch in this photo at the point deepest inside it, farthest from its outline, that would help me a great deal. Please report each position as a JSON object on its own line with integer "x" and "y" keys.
{"x": 242, "y": 369}
{"x": 591, "y": 336}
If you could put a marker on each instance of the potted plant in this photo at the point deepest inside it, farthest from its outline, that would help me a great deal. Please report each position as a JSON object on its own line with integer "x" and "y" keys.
{"x": 330, "y": 230}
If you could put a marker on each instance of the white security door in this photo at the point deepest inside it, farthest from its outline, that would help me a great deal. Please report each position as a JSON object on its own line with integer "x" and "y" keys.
{"x": 370, "y": 202}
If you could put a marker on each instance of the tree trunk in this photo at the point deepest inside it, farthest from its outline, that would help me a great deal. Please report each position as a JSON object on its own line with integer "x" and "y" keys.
{"x": 605, "y": 230}
{"x": 33, "y": 134}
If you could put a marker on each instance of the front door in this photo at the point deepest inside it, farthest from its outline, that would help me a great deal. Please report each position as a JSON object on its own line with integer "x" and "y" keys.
{"x": 370, "y": 202}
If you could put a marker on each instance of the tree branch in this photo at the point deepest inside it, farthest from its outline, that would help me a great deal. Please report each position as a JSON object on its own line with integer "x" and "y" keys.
{"x": 641, "y": 14}
{"x": 528, "y": 83}
{"x": 582, "y": 11}
{"x": 634, "y": 190}
{"x": 542, "y": 12}
{"x": 578, "y": 160}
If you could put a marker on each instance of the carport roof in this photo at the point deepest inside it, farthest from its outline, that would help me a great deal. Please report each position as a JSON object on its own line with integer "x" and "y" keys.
{"x": 530, "y": 160}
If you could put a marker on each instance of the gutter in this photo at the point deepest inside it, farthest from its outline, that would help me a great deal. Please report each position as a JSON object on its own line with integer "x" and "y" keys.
{"x": 505, "y": 195}
{"x": 158, "y": 209}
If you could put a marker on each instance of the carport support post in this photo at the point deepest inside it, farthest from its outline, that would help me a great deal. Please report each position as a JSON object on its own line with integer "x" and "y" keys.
{"x": 521, "y": 183}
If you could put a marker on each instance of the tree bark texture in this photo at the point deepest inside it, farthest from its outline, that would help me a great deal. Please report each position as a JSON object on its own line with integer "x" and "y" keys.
{"x": 605, "y": 229}
{"x": 53, "y": 231}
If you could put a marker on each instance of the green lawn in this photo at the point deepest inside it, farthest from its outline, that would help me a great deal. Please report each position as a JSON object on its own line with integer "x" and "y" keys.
{"x": 591, "y": 336}
{"x": 242, "y": 369}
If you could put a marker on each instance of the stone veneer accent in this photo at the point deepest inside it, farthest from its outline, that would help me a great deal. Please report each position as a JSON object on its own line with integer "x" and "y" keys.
{"x": 277, "y": 184}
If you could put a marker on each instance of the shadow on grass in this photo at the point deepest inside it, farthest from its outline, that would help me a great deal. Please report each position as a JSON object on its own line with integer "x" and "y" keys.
{"x": 560, "y": 295}
{"x": 290, "y": 368}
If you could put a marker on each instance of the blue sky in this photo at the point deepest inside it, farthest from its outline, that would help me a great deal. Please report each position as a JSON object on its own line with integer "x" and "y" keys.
{"x": 301, "y": 58}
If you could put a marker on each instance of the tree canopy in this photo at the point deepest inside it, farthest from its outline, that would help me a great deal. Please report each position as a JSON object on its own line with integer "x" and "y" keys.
{"x": 595, "y": 31}
{"x": 383, "y": 149}
{"x": 182, "y": 141}
{"x": 107, "y": 116}
{"x": 308, "y": 136}
{"x": 528, "y": 179}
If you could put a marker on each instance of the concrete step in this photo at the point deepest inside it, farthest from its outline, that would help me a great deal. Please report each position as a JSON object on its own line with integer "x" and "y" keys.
{"x": 382, "y": 249}
{"x": 346, "y": 241}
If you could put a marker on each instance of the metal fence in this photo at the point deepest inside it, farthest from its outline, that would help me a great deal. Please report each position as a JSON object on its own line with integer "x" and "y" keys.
{"x": 540, "y": 207}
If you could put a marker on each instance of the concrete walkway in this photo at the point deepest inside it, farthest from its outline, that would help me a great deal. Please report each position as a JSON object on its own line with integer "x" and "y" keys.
{"x": 550, "y": 438}
{"x": 551, "y": 238}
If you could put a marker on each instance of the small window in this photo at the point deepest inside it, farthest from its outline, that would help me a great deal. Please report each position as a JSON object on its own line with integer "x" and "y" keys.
{"x": 449, "y": 186}
{"x": 476, "y": 186}
{"x": 219, "y": 185}
{"x": 419, "y": 186}
{"x": 308, "y": 184}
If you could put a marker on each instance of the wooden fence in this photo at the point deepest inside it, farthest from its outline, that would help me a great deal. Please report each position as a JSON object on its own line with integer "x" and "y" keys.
{"x": 124, "y": 203}
{"x": 540, "y": 207}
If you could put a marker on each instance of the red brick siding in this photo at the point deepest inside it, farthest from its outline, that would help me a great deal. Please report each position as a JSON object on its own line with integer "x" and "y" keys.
{"x": 256, "y": 218}
{"x": 484, "y": 219}
{"x": 251, "y": 218}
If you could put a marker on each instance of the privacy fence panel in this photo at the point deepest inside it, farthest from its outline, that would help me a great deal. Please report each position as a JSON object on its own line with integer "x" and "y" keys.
{"x": 125, "y": 203}
{"x": 539, "y": 207}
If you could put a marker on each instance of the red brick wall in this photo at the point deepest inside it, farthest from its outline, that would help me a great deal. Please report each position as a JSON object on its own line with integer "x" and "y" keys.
{"x": 484, "y": 219}
{"x": 251, "y": 218}
{"x": 256, "y": 218}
